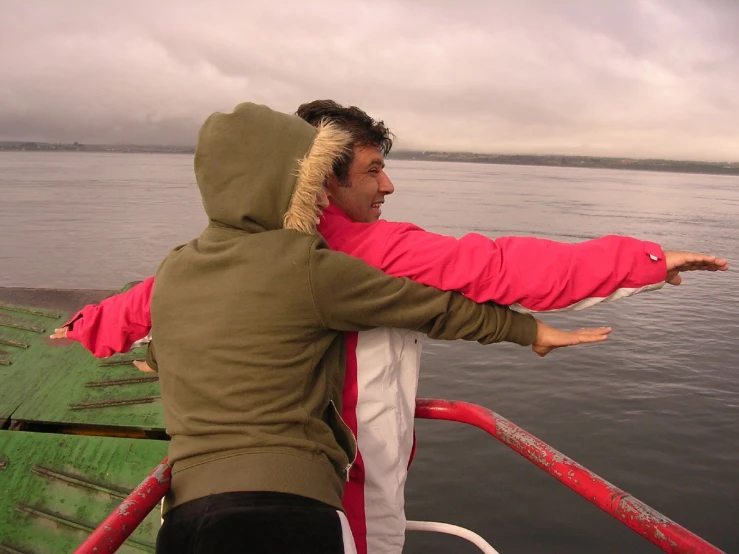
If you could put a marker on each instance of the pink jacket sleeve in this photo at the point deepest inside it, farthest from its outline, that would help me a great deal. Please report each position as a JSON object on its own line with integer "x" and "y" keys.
{"x": 116, "y": 323}
{"x": 526, "y": 273}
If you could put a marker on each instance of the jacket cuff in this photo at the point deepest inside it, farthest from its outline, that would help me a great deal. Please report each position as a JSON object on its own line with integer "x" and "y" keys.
{"x": 151, "y": 358}
{"x": 72, "y": 334}
{"x": 523, "y": 329}
{"x": 657, "y": 270}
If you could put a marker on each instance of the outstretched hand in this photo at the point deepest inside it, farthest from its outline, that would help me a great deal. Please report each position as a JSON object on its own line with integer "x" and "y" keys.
{"x": 548, "y": 338}
{"x": 60, "y": 333}
{"x": 678, "y": 261}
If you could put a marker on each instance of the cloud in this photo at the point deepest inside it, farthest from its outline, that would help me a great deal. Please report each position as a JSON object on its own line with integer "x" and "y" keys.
{"x": 614, "y": 77}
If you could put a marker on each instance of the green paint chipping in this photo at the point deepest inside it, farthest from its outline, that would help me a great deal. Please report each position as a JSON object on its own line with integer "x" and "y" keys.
{"x": 55, "y": 489}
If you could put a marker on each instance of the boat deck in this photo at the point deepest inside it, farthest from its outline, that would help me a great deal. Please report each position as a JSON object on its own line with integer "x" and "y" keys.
{"x": 76, "y": 433}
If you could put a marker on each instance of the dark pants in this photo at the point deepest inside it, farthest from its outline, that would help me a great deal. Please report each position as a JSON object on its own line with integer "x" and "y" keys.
{"x": 253, "y": 523}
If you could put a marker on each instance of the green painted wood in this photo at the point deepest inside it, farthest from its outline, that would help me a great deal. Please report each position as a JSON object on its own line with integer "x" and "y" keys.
{"x": 82, "y": 390}
{"x": 23, "y": 332}
{"x": 59, "y": 382}
{"x": 54, "y": 489}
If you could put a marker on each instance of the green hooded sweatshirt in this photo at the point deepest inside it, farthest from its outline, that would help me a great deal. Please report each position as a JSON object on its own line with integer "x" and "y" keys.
{"x": 247, "y": 318}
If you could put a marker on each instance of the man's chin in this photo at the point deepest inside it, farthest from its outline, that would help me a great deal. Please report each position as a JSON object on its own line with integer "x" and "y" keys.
{"x": 374, "y": 214}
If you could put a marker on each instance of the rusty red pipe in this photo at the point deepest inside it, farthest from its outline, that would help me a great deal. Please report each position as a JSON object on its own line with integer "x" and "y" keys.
{"x": 650, "y": 524}
{"x": 663, "y": 532}
{"x": 124, "y": 520}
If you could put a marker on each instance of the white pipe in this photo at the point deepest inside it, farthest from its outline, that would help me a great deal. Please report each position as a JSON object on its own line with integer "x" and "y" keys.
{"x": 436, "y": 527}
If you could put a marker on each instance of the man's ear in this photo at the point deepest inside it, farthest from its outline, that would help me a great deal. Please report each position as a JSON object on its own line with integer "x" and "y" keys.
{"x": 332, "y": 183}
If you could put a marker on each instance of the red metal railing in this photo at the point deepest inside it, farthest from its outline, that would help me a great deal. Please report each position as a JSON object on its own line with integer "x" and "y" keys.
{"x": 650, "y": 524}
{"x": 118, "y": 526}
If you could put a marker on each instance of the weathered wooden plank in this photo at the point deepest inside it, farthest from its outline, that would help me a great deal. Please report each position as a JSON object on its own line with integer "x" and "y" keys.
{"x": 55, "y": 488}
{"x": 48, "y": 382}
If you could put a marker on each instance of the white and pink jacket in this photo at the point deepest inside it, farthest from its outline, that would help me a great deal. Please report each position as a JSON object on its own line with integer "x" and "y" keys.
{"x": 382, "y": 371}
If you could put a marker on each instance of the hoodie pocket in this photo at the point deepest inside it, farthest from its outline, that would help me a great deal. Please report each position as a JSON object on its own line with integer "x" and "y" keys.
{"x": 344, "y": 436}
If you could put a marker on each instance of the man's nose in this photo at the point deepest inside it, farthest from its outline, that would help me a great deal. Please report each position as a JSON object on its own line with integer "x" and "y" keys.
{"x": 386, "y": 185}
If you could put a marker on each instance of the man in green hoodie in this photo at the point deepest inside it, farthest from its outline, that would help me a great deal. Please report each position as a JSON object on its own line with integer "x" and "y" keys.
{"x": 247, "y": 324}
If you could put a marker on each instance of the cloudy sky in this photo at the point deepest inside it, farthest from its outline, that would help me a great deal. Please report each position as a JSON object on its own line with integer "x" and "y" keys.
{"x": 635, "y": 78}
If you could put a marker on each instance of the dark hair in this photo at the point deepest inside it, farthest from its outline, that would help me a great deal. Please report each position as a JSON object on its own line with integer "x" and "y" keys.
{"x": 364, "y": 130}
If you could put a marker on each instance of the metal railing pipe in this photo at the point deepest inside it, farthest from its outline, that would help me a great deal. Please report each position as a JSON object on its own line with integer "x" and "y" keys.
{"x": 649, "y": 523}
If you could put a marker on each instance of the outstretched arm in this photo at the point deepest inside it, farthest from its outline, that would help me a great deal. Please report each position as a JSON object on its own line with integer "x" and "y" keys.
{"x": 113, "y": 325}
{"x": 534, "y": 274}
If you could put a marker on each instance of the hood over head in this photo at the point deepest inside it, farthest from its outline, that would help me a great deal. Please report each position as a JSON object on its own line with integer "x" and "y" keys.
{"x": 261, "y": 170}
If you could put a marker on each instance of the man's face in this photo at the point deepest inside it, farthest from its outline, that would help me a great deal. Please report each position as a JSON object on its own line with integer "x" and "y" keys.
{"x": 361, "y": 195}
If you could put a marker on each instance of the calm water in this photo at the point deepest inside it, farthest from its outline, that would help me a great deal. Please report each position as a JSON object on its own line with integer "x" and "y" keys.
{"x": 655, "y": 410}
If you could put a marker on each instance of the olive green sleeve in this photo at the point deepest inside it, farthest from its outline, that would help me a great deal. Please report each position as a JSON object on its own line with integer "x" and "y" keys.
{"x": 151, "y": 357}
{"x": 350, "y": 295}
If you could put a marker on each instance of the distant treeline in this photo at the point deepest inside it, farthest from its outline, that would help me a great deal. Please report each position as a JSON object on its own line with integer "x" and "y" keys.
{"x": 717, "y": 168}
{"x": 77, "y": 147}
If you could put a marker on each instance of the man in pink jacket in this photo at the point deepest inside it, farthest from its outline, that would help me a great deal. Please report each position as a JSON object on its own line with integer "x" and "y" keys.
{"x": 383, "y": 364}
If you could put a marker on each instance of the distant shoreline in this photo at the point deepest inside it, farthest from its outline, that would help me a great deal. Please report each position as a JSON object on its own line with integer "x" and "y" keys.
{"x": 593, "y": 162}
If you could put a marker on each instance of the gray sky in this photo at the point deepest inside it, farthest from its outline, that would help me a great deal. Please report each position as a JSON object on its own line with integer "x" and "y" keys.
{"x": 635, "y": 78}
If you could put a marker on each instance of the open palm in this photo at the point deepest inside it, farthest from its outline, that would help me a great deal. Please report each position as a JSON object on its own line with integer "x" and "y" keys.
{"x": 548, "y": 338}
